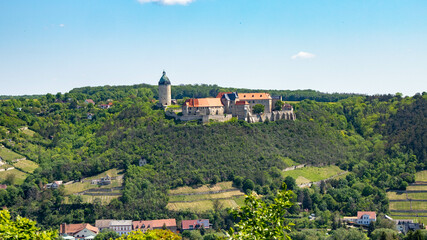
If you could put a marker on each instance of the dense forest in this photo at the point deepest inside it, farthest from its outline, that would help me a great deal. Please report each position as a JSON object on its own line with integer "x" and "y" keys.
{"x": 381, "y": 140}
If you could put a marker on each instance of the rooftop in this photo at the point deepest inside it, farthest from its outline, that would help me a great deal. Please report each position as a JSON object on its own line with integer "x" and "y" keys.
{"x": 164, "y": 80}
{"x": 254, "y": 96}
{"x": 203, "y": 102}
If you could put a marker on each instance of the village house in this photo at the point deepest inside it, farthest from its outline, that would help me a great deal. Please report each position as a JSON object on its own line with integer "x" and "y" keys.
{"x": 195, "y": 224}
{"x": 53, "y": 185}
{"x": 142, "y": 162}
{"x": 106, "y": 106}
{"x": 122, "y": 227}
{"x": 3, "y": 186}
{"x": 103, "y": 224}
{"x": 155, "y": 224}
{"x": 78, "y": 231}
{"x": 365, "y": 218}
{"x": 362, "y": 218}
{"x": 404, "y": 226}
{"x": 90, "y": 101}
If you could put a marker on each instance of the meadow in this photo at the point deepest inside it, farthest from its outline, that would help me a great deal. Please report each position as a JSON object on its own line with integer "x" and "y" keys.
{"x": 313, "y": 174}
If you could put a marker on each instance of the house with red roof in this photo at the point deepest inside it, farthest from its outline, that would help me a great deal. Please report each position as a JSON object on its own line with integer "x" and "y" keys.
{"x": 79, "y": 231}
{"x": 155, "y": 224}
{"x": 365, "y": 218}
{"x": 195, "y": 224}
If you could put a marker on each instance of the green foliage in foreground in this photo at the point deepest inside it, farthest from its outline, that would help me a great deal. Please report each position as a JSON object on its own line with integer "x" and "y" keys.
{"x": 22, "y": 228}
{"x": 150, "y": 235}
{"x": 259, "y": 220}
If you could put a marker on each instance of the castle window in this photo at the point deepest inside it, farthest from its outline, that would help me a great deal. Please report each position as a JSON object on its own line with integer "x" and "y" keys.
{"x": 253, "y": 95}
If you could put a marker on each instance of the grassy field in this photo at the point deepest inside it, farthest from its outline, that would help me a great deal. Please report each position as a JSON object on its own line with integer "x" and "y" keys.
{"x": 396, "y": 196}
{"x": 313, "y": 174}
{"x": 289, "y": 162}
{"x": 416, "y": 187}
{"x": 204, "y": 188}
{"x": 203, "y": 202}
{"x": 420, "y": 196}
{"x": 90, "y": 199}
{"x": 421, "y": 176}
{"x": 205, "y": 205}
{"x": 26, "y": 165}
{"x": 19, "y": 176}
{"x": 27, "y": 132}
{"x": 82, "y": 186}
{"x": 422, "y": 219}
{"x": 408, "y": 205}
{"x": 230, "y": 194}
{"x": 9, "y": 155}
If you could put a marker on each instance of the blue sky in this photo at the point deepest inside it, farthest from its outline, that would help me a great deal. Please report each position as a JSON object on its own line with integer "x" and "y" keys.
{"x": 364, "y": 46}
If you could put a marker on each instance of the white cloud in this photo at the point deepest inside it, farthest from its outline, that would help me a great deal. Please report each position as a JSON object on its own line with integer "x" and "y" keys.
{"x": 62, "y": 25}
{"x": 167, "y": 2}
{"x": 303, "y": 55}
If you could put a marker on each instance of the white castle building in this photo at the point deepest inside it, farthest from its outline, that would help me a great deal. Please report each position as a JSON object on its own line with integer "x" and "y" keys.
{"x": 226, "y": 105}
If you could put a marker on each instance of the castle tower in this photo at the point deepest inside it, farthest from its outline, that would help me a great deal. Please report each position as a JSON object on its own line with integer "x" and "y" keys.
{"x": 164, "y": 90}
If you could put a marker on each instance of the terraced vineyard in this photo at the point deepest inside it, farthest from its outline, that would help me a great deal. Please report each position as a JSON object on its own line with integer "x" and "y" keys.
{"x": 205, "y": 198}
{"x": 412, "y": 203}
{"x": 90, "y": 192}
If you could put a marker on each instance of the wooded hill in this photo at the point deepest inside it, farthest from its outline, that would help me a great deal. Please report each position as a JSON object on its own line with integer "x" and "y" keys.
{"x": 381, "y": 140}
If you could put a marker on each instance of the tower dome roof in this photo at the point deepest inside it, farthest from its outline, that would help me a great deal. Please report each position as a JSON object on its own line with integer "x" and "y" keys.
{"x": 164, "y": 80}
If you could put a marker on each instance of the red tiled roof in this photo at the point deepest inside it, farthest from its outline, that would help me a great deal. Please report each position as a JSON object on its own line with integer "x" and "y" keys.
{"x": 72, "y": 229}
{"x": 3, "y": 186}
{"x": 203, "y": 102}
{"x": 186, "y": 223}
{"x": 150, "y": 224}
{"x": 372, "y": 215}
{"x": 90, "y": 101}
{"x": 242, "y": 103}
{"x": 254, "y": 96}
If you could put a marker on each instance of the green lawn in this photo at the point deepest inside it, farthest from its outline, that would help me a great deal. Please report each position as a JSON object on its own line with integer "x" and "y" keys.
{"x": 313, "y": 174}
{"x": 26, "y": 165}
{"x": 9, "y": 155}
{"x": 19, "y": 176}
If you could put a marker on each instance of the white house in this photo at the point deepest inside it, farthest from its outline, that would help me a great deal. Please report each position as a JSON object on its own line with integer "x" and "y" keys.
{"x": 365, "y": 218}
{"x": 121, "y": 226}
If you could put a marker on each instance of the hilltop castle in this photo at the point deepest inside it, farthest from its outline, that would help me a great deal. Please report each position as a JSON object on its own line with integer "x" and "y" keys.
{"x": 225, "y": 106}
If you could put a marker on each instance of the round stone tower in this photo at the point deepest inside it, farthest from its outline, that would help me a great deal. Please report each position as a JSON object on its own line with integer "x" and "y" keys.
{"x": 164, "y": 90}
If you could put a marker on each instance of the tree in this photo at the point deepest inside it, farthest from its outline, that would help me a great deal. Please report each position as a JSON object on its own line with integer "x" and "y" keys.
{"x": 348, "y": 234}
{"x": 258, "y": 108}
{"x": 259, "y": 220}
{"x": 279, "y": 105}
{"x": 248, "y": 185}
{"x": 150, "y": 235}
{"x": 290, "y": 182}
{"x": 106, "y": 234}
{"x": 22, "y": 228}
{"x": 384, "y": 233}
